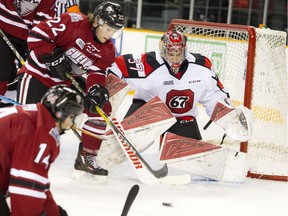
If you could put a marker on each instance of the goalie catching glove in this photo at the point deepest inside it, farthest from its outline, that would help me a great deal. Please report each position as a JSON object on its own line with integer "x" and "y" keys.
{"x": 237, "y": 122}
{"x": 57, "y": 64}
{"x": 97, "y": 96}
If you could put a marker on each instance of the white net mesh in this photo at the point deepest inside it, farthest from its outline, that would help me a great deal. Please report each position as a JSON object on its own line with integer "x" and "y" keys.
{"x": 228, "y": 46}
{"x": 269, "y": 103}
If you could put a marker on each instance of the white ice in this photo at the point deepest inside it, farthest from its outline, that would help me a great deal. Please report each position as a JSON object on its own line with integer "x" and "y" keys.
{"x": 199, "y": 198}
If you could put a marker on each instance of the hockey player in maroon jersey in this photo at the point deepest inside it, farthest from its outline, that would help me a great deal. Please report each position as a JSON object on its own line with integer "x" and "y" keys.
{"x": 25, "y": 158}
{"x": 181, "y": 79}
{"x": 76, "y": 44}
{"x": 16, "y": 19}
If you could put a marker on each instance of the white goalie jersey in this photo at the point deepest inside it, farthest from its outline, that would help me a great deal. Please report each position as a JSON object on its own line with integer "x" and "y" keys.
{"x": 150, "y": 76}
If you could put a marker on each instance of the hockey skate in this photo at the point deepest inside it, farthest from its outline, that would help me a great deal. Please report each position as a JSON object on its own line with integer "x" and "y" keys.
{"x": 86, "y": 168}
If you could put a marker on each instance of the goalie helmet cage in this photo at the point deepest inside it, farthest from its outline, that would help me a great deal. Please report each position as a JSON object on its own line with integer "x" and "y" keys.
{"x": 251, "y": 64}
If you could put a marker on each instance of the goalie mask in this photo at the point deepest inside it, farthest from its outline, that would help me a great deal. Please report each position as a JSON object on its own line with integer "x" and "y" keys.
{"x": 111, "y": 14}
{"x": 173, "y": 49}
{"x": 62, "y": 102}
{"x": 25, "y": 7}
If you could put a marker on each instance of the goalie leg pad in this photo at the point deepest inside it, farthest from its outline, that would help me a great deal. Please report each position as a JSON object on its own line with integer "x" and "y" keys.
{"x": 110, "y": 155}
{"x": 222, "y": 165}
{"x": 148, "y": 122}
{"x": 203, "y": 158}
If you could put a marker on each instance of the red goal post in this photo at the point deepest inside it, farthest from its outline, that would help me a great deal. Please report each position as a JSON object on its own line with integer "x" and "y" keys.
{"x": 251, "y": 64}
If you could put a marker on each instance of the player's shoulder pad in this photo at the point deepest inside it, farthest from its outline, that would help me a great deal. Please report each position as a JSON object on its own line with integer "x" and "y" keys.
{"x": 151, "y": 62}
{"x": 128, "y": 64}
{"x": 199, "y": 59}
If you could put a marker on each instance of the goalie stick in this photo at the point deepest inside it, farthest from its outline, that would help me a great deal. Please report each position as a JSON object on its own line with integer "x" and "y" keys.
{"x": 130, "y": 199}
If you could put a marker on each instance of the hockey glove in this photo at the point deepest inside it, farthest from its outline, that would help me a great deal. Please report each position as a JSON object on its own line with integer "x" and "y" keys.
{"x": 57, "y": 64}
{"x": 97, "y": 96}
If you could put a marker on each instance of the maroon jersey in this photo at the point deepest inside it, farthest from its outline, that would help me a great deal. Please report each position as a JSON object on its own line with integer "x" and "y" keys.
{"x": 73, "y": 33}
{"x": 17, "y": 18}
{"x": 29, "y": 143}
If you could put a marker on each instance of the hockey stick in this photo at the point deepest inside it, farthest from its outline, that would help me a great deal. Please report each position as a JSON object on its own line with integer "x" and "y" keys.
{"x": 88, "y": 133}
{"x": 9, "y": 100}
{"x": 130, "y": 199}
{"x": 18, "y": 56}
{"x": 75, "y": 83}
{"x": 16, "y": 53}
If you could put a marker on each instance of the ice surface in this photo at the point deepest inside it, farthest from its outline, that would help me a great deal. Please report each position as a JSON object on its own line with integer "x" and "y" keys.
{"x": 199, "y": 198}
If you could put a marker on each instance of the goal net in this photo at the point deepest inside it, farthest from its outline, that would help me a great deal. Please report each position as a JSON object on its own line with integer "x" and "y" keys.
{"x": 251, "y": 64}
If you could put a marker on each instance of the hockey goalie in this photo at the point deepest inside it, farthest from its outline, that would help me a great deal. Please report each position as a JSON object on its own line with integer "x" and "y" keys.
{"x": 181, "y": 80}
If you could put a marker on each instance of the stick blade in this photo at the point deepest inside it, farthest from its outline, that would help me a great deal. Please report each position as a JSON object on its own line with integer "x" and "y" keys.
{"x": 161, "y": 172}
{"x": 130, "y": 199}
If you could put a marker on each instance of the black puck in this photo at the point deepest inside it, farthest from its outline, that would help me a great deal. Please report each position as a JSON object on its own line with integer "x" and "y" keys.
{"x": 167, "y": 204}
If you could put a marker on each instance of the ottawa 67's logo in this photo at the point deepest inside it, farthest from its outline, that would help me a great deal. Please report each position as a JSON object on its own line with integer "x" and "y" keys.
{"x": 180, "y": 101}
